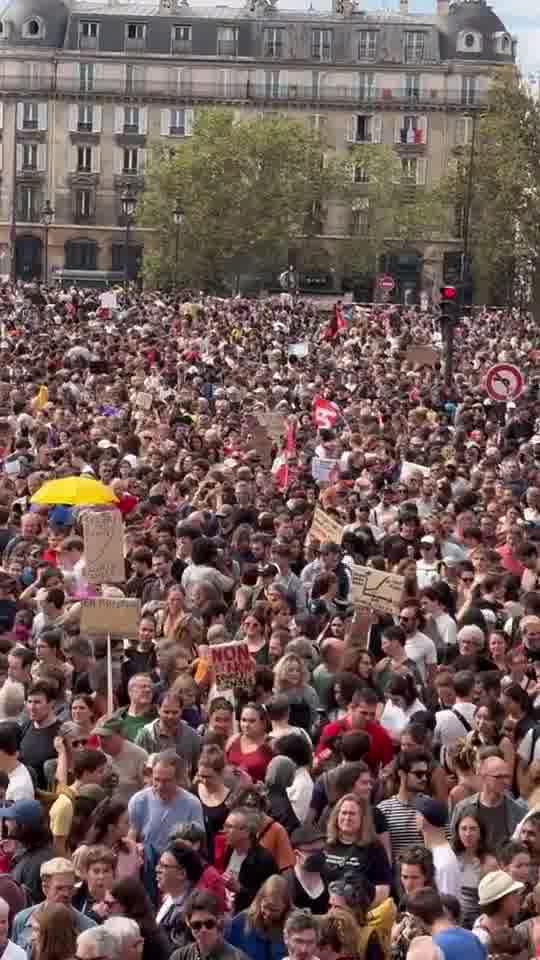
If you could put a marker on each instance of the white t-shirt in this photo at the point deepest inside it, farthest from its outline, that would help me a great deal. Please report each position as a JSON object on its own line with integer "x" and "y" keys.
{"x": 447, "y": 629}
{"x": 447, "y": 872}
{"x": 525, "y": 746}
{"x": 426, "y": 573}
{"x": 20, "y": 786}
{"x": 449, "y": 728}
{"x": 422, "y": 651}
{"x": 13, "y": 952}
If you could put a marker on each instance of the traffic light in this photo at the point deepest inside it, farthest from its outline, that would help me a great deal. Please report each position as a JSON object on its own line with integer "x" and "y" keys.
{"x": 449, "y": 302}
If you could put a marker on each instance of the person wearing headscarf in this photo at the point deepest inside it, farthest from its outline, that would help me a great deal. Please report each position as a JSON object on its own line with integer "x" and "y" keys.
{"x": 279, "y": 776}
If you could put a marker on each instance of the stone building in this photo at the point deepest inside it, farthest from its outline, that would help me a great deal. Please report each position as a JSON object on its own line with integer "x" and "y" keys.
{"x": 86, "y": 88}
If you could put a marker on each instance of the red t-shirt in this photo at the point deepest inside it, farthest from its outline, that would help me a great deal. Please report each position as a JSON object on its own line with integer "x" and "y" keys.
{"x": 254, "y": 763}
{"x": 381, "y": 751}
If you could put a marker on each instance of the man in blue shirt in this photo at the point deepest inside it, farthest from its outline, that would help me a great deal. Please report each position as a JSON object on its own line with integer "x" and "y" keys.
{"x": 58, "y": 882}
{"x": 155, "y": 811}
{"x": 455, "y": 942}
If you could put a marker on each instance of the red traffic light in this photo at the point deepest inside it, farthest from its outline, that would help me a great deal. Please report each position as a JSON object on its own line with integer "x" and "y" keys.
{"x": 448, "y": 293}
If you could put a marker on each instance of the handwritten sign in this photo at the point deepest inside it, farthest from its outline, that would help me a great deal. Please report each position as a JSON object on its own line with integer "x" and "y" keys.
{"x": 376, "y": 589}
{"x": 324, "y": 528}
{"x": 115, "y": 617}
{"x": 233, "y": 665}
{"x": 423, "y": 356}
{"x": 108, "y": 300}
{"x": 144, "y": 401}
{"x": 300, "y": 349}
{"x": 322, "y": 470}
{"x": 104, "y": 546}
{"x": 408, "y": 470}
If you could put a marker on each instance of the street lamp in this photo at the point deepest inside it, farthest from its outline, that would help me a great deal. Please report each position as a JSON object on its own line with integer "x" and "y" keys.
{"x": 178, "y": 216}
{"x": 129, "y": 202}
{"x": 47, "y": 217}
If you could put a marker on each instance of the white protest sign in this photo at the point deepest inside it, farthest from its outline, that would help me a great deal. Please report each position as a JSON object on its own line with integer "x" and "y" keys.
{"x": 103, "y": 533}
{"x": 322, "y": 470}
{"x": 300, "y": 349}
{"x": 376, "y": 589}
{"x": 108, "y": 300}
{"x": 144, "y": 401}
{"x": 110, "y": 616}
{"x": 408, "y": 469}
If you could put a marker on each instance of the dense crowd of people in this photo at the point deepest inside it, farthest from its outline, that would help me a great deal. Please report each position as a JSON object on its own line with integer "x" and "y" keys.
{"x": 370, "y": 786}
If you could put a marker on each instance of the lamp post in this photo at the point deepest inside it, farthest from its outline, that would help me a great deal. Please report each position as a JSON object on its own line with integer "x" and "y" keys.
{"x": 47, "y": 217}
{"x": 129, "y": 202}
{"x": 178, "y": 221}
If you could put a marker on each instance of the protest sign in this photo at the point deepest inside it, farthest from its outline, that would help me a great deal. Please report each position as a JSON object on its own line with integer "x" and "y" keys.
{"x": 422, "y": 355}
{"x": 300, "y": 349}
{"x": 376, "y": 589}
{"x": 103, "y": 533}
{"x": 408, "y": 469}
{"x": 108, "y": 300}
{"x": 324, "y": 528}
{"x": 233, "y": 665}
{"x": 274, "y": 424}
{"x": 323, "y": 470}
{"x": 112, "y": 616}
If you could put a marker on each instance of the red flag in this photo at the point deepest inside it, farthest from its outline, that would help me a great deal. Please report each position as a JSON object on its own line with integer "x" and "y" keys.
{"x": 325, "y": 413}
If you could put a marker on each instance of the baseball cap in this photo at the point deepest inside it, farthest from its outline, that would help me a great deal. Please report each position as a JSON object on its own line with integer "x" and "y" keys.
{"x": 435, "y": 812}
{"x": 29, "y": 813}
{"x": 429, "y": 541}
{"x": 496, "y": 885}
{"x": 108, "y": 726}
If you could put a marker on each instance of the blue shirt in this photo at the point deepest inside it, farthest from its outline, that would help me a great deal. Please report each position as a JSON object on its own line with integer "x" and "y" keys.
{"x": 154, "y": 821}
{"x": 459, "y": 944}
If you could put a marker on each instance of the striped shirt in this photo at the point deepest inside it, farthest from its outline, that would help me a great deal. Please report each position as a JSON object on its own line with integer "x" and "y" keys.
{"x": 401, "y": 819}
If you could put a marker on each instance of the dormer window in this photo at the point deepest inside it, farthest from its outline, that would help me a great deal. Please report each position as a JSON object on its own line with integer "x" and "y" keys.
{"x": 33, "y": 29}
{"x": 469, "y": 41}
{"x": 503, "y": 44}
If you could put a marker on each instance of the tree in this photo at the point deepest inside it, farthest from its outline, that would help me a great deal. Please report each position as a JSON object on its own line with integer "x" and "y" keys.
{"x": 248, "y": 189}
{"x": 496, "y": 183}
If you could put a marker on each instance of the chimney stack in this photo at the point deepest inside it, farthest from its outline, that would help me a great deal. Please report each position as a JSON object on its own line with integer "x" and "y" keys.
{"x": 443, "y": 8}
{"x": 404, "y": 6}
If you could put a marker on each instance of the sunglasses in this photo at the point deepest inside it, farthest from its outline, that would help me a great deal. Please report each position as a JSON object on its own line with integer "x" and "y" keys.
{"x": 79, "y": 743}
{"x": 203, "y": 925}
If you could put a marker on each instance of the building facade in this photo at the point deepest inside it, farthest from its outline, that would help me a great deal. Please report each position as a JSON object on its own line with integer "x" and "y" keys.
{"x": 87, "y": 88}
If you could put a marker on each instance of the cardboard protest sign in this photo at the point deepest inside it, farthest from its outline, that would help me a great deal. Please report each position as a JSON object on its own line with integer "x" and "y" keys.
{"x": 323, "y": 470}
{"x": 300, "y": 349}
{"x": 422, "y": 355}
{"x": 376, "y": 589}
{"x": 324, "y": 528}
{"x": 103, "y": 533}
{"x": 233, "y": 665}
{"x": 408, "y": 469}
{"x": 274, "y": 424}
{"x": 116, "y": 617}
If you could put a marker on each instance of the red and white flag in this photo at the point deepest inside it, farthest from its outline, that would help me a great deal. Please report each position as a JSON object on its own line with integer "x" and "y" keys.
{"x": 325, "y": 413}
{"x": 281, "y": 468}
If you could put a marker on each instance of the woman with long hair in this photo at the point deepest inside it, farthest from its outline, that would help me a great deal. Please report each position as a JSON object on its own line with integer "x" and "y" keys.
{"x": 352, "y": 844}
{"x": 340, "y": 938}
{"x": 291, "y": 677}
{"x": 258, "y": 931}
{"x": 354, "y": 895}
{"x": 469, "y": 843}
{"x": 128, "y": 898}
{"x": 212, "y": 791}
{"x": 109, "y": 826}
{"x": 253, "y": 633}
{"x": 55, "y": 933}
{"x": 461, "y": 758}
{"x": 250, "y": 751}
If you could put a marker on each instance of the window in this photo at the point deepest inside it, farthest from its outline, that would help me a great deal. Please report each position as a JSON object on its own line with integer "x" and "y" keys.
{"x": 135, "y": 36}
{"x": 86, "y": 77}
{"x": 321, "y": 44}
{"x": 411, "y": 129}
{"x": 468, "y": 90}
{"x": 366, "y": 86}
{"x": 469, "y": 41}
{"x": 83, "y": 205}
{"x": 464, "y": 131}
{"x": 88, "y": 34}
{"x": 181, "y": 39}
{"x": 80, "y": 255}
{"x": 412, "y": 86}
{"x": 29, "y": 156}
{"x": 84, "y": 159}
{"x": 134, "y": 78}
{"x": 360, "y": 174}
{"x": 226, "y": 42}
{"x": 33, "y": 29}
{"x": 360, "y": 217}
{"x": 30, "y": 118}
{"x": 408, "y": 169}
{"x": 177, "y": 122}
{"x": 317, "y": 121}
{"x": 273, "y": 42}
{"x": 360, "y": 129}
{"x": 85, "y": 119}
{"x": 28, "y": 204}
{"x": 131, "y": 160}
{"x": 367, "y": 44}
{"x": 414, "y": 46}
{"x": 131, "y": 120}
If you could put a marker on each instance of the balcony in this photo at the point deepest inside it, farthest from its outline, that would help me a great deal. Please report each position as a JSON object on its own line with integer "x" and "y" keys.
{"x": 376, "y": 97}
{"x": 180, "y": 46}
{"x": 88, "y": 43}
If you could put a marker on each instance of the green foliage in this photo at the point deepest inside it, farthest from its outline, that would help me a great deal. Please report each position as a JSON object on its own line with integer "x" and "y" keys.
{"x": 252, "y": 190}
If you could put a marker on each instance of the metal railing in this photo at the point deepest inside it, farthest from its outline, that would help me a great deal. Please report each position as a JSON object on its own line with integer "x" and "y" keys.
{"x": 371, "y": 98}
